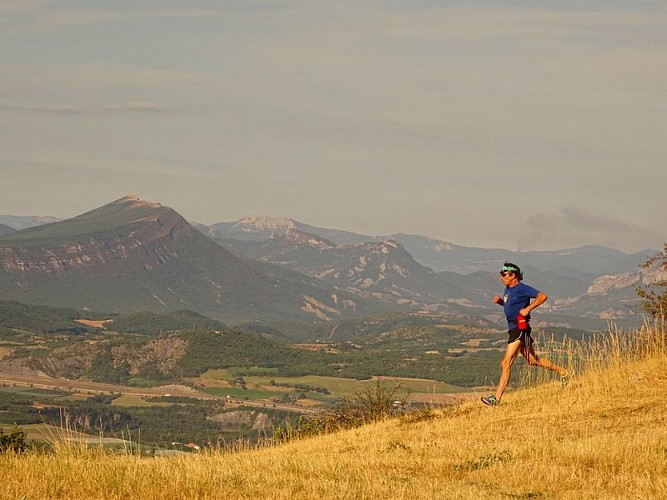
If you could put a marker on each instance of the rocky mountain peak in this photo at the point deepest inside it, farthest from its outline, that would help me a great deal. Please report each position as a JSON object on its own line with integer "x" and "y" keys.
{"x": 385, "y": 247}
{"x": 391, "y": 244}
{"x": 296, "y": 237}
{"x": 259, "y": 222}
{"x": 133, "y": 201}
{"x": 129, "y": 233}
{"x": 604, "y": 284}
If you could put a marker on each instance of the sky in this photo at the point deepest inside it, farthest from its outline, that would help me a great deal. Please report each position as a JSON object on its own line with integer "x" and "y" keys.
{"x": 524, "y": 125}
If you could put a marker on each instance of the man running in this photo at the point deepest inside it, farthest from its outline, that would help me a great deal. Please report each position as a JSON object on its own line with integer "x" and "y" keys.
{"x": 516, "y": 301}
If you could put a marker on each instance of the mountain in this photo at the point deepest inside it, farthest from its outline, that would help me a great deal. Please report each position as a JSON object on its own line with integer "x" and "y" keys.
{"x": 133, "y": 255}
{"x": 383, "y": 270}
{"x": 585, "y": 263}
{"x": 19, "y": 222}
{"x": 394, "y": 270}
{"x": 260, "y": 228}
{"x": 5, "y": 229}
{"x": 386, "y": 270}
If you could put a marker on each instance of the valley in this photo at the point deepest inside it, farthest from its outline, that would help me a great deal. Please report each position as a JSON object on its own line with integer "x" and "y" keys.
{"x": 146, "y": 372}
{"x": 128, "y": 317}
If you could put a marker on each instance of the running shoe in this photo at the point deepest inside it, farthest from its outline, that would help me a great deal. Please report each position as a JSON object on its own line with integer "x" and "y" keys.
{"x": 490, "y": 400}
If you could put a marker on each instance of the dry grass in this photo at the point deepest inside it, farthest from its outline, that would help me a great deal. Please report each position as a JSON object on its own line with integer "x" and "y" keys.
{"x": 604, "y": 436}
{"x": 101, "y": 324}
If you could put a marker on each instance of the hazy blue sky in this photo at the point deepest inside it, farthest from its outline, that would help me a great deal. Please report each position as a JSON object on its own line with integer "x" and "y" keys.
{"x": 486, "y": 123}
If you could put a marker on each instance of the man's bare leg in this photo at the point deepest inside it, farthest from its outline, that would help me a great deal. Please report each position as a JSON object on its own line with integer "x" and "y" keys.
{"x": 506, "y": 367}
{"x": 534, "y": 360}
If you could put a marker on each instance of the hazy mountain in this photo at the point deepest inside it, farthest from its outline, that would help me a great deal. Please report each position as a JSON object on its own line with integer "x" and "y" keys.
{"x": 133, "y": 255}
{"x": 4, "y": 229}
{"x": 387, "y": 270}
{"x": 19, "y": 222}
{"x": 585, "y": 263}
{"x": 260, "y": 228}
{"x": 377, "y": 269}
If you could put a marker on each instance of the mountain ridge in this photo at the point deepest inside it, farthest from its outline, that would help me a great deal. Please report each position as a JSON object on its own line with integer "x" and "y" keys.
{"x": 5, "y": 229}
{"x": 441, "y": 255}
{"x": 164, "y": 263}
{"x": 138, "y": 255}
{"x": 577, "y": 280}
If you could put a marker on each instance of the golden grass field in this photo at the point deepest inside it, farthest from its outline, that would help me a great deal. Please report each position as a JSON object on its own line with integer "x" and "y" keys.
{"x": 602, "y": 437}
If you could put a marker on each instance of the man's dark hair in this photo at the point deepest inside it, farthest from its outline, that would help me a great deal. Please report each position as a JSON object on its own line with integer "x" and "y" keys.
{"x": 513, "y": 268}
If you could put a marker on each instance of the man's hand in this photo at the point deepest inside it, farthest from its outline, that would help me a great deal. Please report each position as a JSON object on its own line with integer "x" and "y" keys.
{"x": 498, "y": 300}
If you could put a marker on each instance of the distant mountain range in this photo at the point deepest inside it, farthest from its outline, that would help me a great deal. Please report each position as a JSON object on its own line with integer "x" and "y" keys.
{"x": 585, "y": 284}
{"x": 439, "y": 255}
{"x": 5, "y": 229}
{"x": 133, "y": 255}
{"x": 19, "y": 222}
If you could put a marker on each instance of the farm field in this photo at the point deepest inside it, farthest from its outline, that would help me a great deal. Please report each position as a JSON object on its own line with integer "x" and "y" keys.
{"x": 342, "y": 387}
{"x": 46, "y": 433}
{"x": 338, "y": 387}
{"x": 130, "y": 400}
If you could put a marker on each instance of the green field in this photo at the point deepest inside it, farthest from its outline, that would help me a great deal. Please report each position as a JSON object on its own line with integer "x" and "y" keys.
{"x": 260, "y": 387}
{"x": 34, "y": 392}
{"x": 217, "y": 374}
{"x": 55, "y": 434}
{"x": 130, "y": 400}
{"x": 233, "y": 371}
{"x": 237, "y": 393}
{"x": 343, "y": 387}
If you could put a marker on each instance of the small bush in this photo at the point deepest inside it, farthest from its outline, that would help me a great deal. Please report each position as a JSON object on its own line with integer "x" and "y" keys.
{"x": 16, "y": 441}
{"x": 371, "y": 405}
{"x": 655, "y": 295}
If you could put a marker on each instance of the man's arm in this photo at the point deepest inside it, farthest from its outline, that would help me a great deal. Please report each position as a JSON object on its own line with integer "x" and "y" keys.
{"x": 539, "y": 300}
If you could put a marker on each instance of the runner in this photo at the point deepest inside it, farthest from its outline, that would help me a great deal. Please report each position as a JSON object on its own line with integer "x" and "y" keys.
{"x": 516, "y": 301}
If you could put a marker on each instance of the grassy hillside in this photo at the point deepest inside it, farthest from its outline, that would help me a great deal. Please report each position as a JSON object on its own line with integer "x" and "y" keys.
{"x": 604, "y": 436}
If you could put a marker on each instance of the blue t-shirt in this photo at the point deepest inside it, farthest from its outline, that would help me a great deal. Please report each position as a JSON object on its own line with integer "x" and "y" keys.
{"x": 515, "y": 299}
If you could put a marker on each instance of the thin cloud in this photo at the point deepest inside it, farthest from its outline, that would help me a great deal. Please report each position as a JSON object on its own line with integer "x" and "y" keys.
{"x": 572, "y": 226}
{"x": 143, "y": 106}
{"x": 21, "y": 7}
{"x": 45, "y": 21}
{"x": 58, "y": 109}
{"x": 67, "y": 109}
{"x": 64, "y": 20}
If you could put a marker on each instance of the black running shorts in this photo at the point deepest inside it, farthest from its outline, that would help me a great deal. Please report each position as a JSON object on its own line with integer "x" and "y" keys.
{"x": 523, "y": 335}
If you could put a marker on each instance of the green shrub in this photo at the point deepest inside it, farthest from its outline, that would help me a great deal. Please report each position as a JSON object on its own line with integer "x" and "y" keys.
{"x": 16, "y": 441}
{"x": 655, "y": 296}
{"x": 373, "y": 404}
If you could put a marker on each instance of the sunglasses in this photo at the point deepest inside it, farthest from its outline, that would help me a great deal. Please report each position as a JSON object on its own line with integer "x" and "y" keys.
{"x": 505, "y": 273}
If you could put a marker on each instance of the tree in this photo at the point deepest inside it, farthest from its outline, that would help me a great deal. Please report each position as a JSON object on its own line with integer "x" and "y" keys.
{"x": 655, "y": 294}
{"x": 16, "y": 441}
